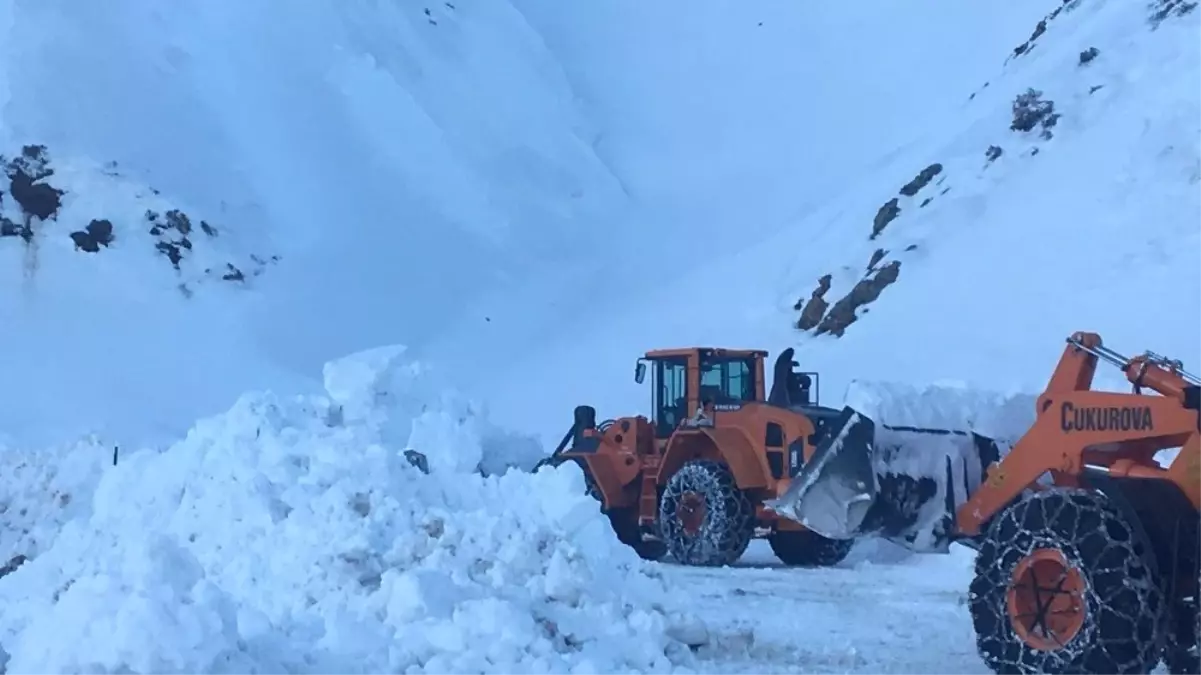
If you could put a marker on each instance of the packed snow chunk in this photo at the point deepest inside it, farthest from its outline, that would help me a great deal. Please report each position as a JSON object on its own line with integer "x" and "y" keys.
{"x": 405, "y": 401}
{"x": 944, "y": 406}
{"x": 276, "y": 538}
{"x": 359, "y": 382}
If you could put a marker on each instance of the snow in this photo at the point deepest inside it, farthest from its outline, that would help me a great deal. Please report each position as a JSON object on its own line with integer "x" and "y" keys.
{"x": 45, "y": 489}
{"x": 333, "y": 553}
{"x": 835, "y": 489}
{"x": 404, "y": 398}
{"x": 371, "y": 148}
{"x": 97, "y": 340}
{"x": 747, "y": 115}
{"x": 531, "y": 195}
{"x": 862, "y": 616}
{"x": 1097, "y": 232}
{"x": 943, "y": 406}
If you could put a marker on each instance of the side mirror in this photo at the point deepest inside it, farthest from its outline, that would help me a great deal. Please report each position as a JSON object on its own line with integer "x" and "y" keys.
{"x": 640, "y": 372}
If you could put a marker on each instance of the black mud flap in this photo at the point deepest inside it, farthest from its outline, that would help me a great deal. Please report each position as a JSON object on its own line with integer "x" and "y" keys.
{"x": 834, "y": 491}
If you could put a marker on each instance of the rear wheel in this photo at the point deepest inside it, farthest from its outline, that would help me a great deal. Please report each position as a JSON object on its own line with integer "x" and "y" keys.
{"x": 1063, "y": 584}
{"x": 806, "y": 548}
{"x": 704, "y": 517}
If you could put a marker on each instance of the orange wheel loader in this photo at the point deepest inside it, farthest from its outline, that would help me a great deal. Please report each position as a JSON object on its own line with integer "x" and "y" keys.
{"x": 1088, "y": 546}
{"x": 692, "y": 478}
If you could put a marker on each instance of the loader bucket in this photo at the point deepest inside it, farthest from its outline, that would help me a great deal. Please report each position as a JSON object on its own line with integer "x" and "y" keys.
{"x": 836, "y": 488}
{"x": 902, "y": 483}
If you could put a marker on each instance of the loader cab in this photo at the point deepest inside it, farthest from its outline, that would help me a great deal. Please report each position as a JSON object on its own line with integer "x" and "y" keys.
{"x": 684, "y": 379}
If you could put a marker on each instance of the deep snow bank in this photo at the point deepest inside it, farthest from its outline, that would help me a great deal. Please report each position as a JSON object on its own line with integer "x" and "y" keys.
{"x": 291, "y": 535}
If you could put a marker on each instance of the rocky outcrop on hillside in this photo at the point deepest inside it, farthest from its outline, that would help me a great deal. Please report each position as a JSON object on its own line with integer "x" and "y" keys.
{"x": 37, "y": 207}
{"x": 1041, "y": 28}
{"x": 1033, "y": 120}
{"x": 1162, "y": 10}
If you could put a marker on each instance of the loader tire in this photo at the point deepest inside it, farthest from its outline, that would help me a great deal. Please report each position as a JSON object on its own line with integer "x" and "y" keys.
{"x": 705, "y": 519}
{"x": 805, "y": 548}
{"x": 1065, "y": 584}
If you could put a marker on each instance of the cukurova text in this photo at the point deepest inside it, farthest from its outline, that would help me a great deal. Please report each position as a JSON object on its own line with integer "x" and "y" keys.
{"x": 1096, "y": 418}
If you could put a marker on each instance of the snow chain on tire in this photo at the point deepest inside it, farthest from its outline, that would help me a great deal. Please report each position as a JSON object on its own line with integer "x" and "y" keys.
{"x": 725, "y": 519}
{"x": 1121, "y": 626}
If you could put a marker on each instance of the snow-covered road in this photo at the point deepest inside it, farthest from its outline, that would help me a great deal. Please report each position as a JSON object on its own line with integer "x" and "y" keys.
{"x": 878, "y": 613}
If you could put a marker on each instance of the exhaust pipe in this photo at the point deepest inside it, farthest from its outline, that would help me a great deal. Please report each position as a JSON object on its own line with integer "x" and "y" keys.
{"x": 584, "y": 418}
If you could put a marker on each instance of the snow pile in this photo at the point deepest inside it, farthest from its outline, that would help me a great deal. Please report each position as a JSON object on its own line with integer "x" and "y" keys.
{"x": 393, "y": 396}
{"x": 42, "y": 490}
{"x": 292, "y": 535}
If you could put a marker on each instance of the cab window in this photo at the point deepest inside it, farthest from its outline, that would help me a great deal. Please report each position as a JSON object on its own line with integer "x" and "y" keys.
{"x": 671, "y": 397}
{"x": 727, "y": 381}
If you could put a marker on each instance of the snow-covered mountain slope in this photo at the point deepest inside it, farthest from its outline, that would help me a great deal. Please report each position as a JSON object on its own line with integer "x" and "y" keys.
{"x": 1088, "y": 221}
{"x": 735, "y": 118}
{"x": 366, "y": 152}
{"x": 481, "y": 210}
{"x": 121, "y": 308}
{"x": 388, "y": 161}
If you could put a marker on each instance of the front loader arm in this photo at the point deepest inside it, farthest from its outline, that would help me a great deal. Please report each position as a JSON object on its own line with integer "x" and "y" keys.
{"x": 1065, "y": 429}
{"x": 1072, "y": 421}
